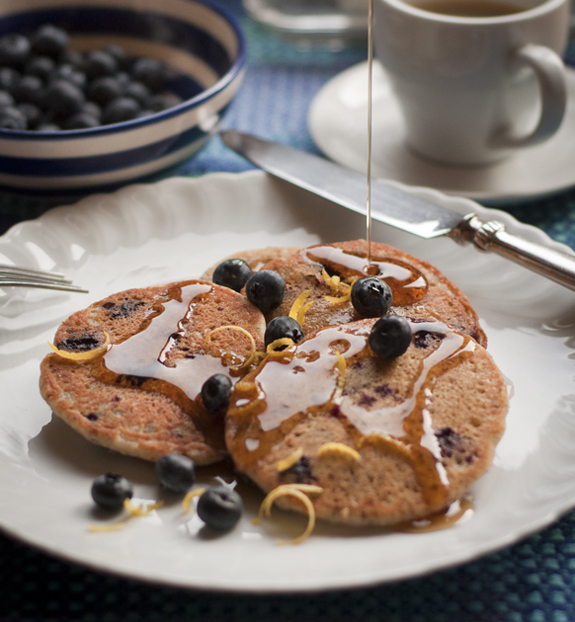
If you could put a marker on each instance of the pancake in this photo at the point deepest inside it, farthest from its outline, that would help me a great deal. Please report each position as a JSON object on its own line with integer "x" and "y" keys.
{"x": 255, "y": 258}
{"x": 419, "y": 289}
{"x": 388, "y": 441}
{"x": 141, "y": 396}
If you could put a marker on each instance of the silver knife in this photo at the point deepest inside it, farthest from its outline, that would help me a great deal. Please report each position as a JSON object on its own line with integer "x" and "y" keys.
{"x": 399, "y": 209}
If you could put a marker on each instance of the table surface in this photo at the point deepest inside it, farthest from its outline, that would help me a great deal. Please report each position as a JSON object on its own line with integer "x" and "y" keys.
{"x": 532, "y": 581}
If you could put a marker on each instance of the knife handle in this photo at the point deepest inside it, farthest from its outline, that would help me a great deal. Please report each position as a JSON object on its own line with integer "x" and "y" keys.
{"x": 493, "y": 236}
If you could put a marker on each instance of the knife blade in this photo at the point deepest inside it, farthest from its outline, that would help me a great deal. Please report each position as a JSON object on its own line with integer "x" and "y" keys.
{"x": 398, "y": 208}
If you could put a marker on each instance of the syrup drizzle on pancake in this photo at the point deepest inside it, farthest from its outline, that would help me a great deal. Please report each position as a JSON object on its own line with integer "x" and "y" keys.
{"x": 407, "y": 284}
{"x": 296, "y": 383}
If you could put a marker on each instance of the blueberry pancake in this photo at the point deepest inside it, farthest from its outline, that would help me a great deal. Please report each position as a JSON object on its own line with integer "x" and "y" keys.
{"x": 326, "y": 271}
{"x": 128, "y": 370}
{"x": 386, "y": 440}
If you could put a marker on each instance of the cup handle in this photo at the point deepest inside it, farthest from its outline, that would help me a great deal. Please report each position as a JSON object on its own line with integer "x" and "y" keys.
{"x": 550, "y": 73}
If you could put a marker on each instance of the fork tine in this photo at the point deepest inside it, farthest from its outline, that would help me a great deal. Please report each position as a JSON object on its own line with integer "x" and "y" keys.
{"x": 56, "y": 284}
{"x": 15, "y": 270}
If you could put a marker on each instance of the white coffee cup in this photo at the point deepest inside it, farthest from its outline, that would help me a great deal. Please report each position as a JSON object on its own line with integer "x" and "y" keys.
{"x": 473, "y": 90}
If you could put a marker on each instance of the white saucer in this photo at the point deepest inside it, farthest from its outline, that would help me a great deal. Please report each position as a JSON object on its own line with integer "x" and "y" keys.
{"x": 338, "y": 124}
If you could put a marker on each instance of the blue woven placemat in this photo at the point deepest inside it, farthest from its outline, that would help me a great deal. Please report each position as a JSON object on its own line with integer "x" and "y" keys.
{"x": 533, "y": 581}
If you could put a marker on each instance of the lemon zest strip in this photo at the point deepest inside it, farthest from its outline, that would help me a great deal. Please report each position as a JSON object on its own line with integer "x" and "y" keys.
{"x": 298, "y": 309}
{"x": 294, "y": 490}
{"x": 388, "y": 442}
{"x": 338, "y": 450}
{"x": 188, "y": 498}
{"x": 83, "y": 356}
{"x": 286, "y": 463}
{"x": 278, "y": 343}
{"x": 113, "y": 527}
{"x": 253, "y": 354}
{"x": 133, "y": 510}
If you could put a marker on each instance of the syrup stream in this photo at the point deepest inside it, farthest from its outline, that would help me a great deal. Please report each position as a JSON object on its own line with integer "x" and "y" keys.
{"x": 369, "y": 128}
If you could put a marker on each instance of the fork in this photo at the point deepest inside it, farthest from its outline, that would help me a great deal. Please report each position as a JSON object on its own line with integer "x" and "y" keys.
{"x": 28, "y": 277}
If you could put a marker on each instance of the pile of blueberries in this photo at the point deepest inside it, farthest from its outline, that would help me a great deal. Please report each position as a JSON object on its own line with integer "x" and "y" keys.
{"x": 47, "y": 87}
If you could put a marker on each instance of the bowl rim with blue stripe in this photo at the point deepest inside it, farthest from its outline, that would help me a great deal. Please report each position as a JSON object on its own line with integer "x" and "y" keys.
{"x": 201, "y": 42}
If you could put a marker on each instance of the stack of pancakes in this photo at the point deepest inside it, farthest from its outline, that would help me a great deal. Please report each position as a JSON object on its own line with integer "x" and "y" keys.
{"x": 386, "y": 440}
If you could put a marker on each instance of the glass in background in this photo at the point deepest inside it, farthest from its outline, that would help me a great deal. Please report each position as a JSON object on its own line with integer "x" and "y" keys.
{"x": 329, "y": 22}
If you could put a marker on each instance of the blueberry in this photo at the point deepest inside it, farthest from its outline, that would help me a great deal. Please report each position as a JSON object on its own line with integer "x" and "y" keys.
{"x": 41, "y": 66}
{"x": 283, "y": 326}
{"x": 14, "y": 50}
{"x": 220, "y": 508}
{"x": 164, "y": 101}
{"x": 92, "y": 109}
{"x": 9, "y": 78}
{"x": 64, "y": 97}
{"x": 70, "y": 73}
{"x": 390, "y": 336}
{"x": 29, "y": 89}
{"x": 104, "y": 90}
{"x": 120, "y": 55}
{"x": 138, "y": 91}
{"x": 120, "y": 109}
{"x": 150, "y": 72}
{"x": 176, "y": 473}
{"x": 32, "y": 113}
{"x": 48, "y": 127}
{"x": 232, "y": 273}
{"x": 50, "y": 41}
{"x": 6, "y": 99}
{"x": 371, "y": 297}
{"x": 80, "y": 121}
{"x": 109, "y": 491}
{"x": 12, "y": 119}
{"x": 265, "y": 290}
{"x": 216, "y": 392}
{"x": 100, "y": 63}
{"x": 74, "y": 58}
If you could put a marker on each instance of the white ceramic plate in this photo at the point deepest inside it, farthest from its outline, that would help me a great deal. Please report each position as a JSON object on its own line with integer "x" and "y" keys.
{"x": 338, "y": 125}
{"x": 175, "y": 229}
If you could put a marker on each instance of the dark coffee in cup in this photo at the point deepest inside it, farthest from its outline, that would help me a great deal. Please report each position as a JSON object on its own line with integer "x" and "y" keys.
{"x": 469, "y": 8}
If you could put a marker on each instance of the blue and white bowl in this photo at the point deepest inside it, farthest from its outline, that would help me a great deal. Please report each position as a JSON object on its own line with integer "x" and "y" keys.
{"x": 200, "y": 40}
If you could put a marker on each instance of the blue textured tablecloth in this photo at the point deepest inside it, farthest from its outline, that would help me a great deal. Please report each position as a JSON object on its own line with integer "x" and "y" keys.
{"x": 533, "y": 581}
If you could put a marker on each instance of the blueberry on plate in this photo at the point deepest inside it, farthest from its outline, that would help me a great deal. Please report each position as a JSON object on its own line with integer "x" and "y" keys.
{"x": 232, "y": 273}
{"x": 265, "y": 290}
{"x": 216, "y": 392}
{"x": 390, "y": 336}
{"x": 176, "y": 473}
{"x": 220, "y": 508}
{"x": 371, "y": 297}
{"x": 281, "y": 327}
{"x": 110, "y": 491}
